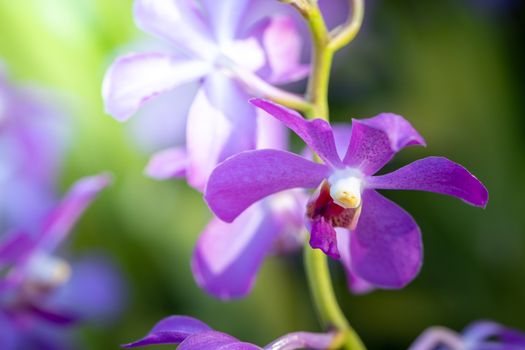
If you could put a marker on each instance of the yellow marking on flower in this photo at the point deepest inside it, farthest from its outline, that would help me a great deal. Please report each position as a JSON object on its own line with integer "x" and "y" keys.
{"x": 345, "y": 188}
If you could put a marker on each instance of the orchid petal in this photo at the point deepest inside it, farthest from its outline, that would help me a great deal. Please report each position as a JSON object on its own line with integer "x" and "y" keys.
{"x": 168, "y": 163}
{"x": 161, "y": 122}
{"x": 323, "y": 236}
{"x": 95, "y": 290}
{"x": 52, "y": 316}
{"x": 225, "y": 16}
{"x": 482, "y": 331}
{"x": 247, "y": 177}
{"x": 282, "y": 44}
{"x": 512, "y": 336}
{"x": 22, "y": 198}
{"x": 171, "y": 330}
{"x": 15, "y": 249}
{"x": 386, "y": 247}
{"x": 270, "y": 132}
{"x": 317, "y": 133}
{"x": 228, "y": 256}
{"x": 134, "y": 79}
{"x": 8, "y": 333}
{"x": 435, "y": 174}
{"x": 246, "y": 53}
{"x": 302, "y": 340}
{"x": 355, "y": 283}
{"x": 287, "y": 211}
{"x": 15, "y": 246}
{"x": 178, "y": 21}
{"x": 33, "y": 138}
{"x": 221, "y": 123}
{"x": 212, "y": 340}
{"x": 438, "y": 337}
{"x": 62, "y": 219}
{"x": 342, "y": 134}
{"x": 376, "y": 140}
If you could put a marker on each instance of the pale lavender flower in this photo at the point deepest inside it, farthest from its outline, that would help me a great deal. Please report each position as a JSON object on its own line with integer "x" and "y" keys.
{"x": 192, "y": 334}
{"x": 228, "y": 256}
{"x": 384, "y": 246}
{"x": 480, "y": 335}
{"x": 209, "y": 45}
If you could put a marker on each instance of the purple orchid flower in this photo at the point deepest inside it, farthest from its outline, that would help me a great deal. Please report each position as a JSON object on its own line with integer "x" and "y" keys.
{"x": 384, "y": 246}
{"x": 208, "y": 43}
{"x": 228, "y": 255}
{"x": 480, "y": 335}
{"x": 193, "y": 334}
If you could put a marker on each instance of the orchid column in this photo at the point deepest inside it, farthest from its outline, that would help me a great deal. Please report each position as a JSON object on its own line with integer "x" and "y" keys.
{"x": 325, "y": 44}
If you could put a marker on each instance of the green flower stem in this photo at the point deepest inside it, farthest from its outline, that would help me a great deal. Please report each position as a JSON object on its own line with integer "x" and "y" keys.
{"x": 317, "y": 91}
{"x": 342, "y": 35}
{"x": 330, "y": 313}
{"x": 325, "y": 44}
{"x": 263, "y": 89}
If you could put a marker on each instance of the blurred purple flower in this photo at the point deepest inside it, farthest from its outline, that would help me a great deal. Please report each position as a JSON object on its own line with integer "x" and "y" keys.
{"x": 35, "y": 286}
{"x": 208, "y": 43}
{"x": 36, "y": 291}
{"x": 480, "y": 335}
{"x": 193, "y": 334}
{"x": 384, "y": 246}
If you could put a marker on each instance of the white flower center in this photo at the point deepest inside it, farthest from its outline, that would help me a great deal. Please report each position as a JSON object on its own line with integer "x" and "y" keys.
{"x": 346, "y": 186}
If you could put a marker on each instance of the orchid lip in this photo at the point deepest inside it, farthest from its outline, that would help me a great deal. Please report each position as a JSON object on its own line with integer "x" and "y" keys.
{"x": 346, "y": 186}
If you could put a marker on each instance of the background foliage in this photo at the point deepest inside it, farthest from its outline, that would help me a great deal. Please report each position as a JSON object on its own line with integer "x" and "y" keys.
{"x": 453, "y": 68}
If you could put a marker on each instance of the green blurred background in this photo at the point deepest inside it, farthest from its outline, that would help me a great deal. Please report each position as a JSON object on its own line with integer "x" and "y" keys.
{"x": 453, "y": 68}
